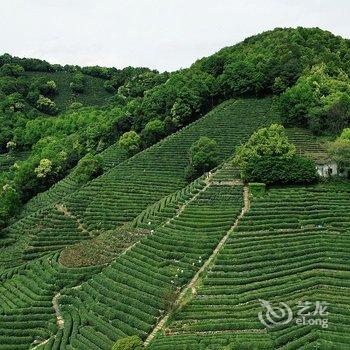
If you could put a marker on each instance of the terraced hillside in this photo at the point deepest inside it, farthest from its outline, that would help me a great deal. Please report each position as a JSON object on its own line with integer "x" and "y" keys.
{"x": 94, "y": 93}
{"x": 160, "y": 233}
{"x": 119, "y": 195}
{"x": 129, "y": 295}
{"x": 292, "y": 247}
{"x": 27, "y": 300}
{"x": 111, "y": 157}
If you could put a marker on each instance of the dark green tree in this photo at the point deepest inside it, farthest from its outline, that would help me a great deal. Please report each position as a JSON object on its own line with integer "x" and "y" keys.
{"x": 131, "y": 142}
{"x": 204, "y": 156}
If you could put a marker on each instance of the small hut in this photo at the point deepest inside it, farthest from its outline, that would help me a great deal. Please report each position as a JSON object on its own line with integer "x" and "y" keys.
{"x": 326, "y": 166}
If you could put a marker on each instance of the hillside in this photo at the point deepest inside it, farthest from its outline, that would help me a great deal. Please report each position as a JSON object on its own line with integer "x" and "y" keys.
{"x": 132, "y": 206}
{"x": 119, "y": 195}
{"x": 94, "y": 94}
{"x": 290, "y": 247}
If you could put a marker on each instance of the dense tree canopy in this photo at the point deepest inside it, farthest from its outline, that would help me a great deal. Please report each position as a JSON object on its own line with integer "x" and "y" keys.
{"x": 269, "y": 157}
{"x": 340, "y": 149}
{"x": 319, "y": 100}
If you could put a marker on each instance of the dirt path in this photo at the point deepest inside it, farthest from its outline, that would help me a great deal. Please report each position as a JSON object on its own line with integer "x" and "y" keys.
{"x": 228, "y": 183}
{"x": 63, "y": 209}
{"x": 60, "y": 321}
{"x": 192, "y": 199}
{"x": 191, "y": 286}
{"x": 40, "y": 344}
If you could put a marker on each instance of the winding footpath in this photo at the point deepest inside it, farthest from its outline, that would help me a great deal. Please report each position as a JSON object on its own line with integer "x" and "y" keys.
{"x": 191, "y": 286}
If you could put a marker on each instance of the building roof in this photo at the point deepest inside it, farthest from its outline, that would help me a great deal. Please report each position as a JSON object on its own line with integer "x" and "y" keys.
{"x": 320, "y": 157}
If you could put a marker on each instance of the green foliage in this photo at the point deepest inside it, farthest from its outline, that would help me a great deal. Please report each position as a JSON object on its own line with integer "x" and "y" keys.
{"x": 44, "y": 168}
{"x": 153, "y": 132}
{"x": 76, "y": 105}
{"x": 128, "y": 343}
{"x": 50, "y": 88}
{"x": 13, "y": 70}
{"x": 29, "y": 64}
{"x": 46, "y": 105}
{"x": 9, "y": 204}
{"x": 98, "y": 72}
{"x": 271, "y": 141}
{"x": 279, "y": 170}
{"x": 257, "y": 189}
{"x": 269, "y": 62}
{"x": 340, "y": 149}
{"x": 77, "y": 84}
{"x": 141, "y": 83}
{"x": 320, "y": 100}
{"x": 88, "y": 168}
{"x": 130, "y": 142}
{"x": 204, "y": 156}
{"x": 269, "y": 157}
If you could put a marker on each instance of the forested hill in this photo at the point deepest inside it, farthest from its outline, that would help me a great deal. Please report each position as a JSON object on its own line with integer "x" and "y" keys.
{"x": 56, "y": 115}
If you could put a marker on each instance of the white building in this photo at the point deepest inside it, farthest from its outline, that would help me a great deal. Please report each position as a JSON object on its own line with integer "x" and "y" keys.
{"x": 327, "y": 167}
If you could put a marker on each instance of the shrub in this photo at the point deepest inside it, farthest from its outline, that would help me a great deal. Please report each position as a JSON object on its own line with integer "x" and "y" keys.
{"x": 88, "y": 168}
{"x": 13, "y": 70}
{"x": 204, "y": 155}
{"x": 75, "y": 105}
{"x": 46, "y": 105}
{"x": 128, "y": 343}
{"x": 77, "y": 84}
{"x": 278, "y": 170}
{"x": 340, "y": 149}
{"x": 269, "y": 157}
{"x": 153, "y": 132}
{"x": 130, "y": 142}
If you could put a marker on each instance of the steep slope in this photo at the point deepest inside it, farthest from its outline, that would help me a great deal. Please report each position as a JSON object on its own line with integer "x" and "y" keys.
{"x": 124, "y": 191}
{"x": 93, "y": 94}
{"x": 292, "y": 247}
{"x": 136, "y": 288}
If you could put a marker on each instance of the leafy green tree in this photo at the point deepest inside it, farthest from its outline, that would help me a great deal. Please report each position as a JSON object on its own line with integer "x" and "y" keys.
{"x": 44, "y": 87}
{"x": 129, "y": 343}
{"x": 153, "y": 132}
{"x": 109, "y": 86}
{"x": 14, "y": 102}
{"x": 88, "y": 168}
{"x": 340, "y": 149}
{"x": 320, "y": 100}
{"x": 204, "y": 156}
{"x": 50, "y": 88}
{"x": 13, "y": 70}
{"x": 9, "y": 203}
{"x": 271, "y": 141}
{"x": 78, "y": 83}
{"x": 131, "y": 142}
{"x": 269, "y": 157}
{"x": 44, "y": 168}
{"x": 46, "y": 105}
